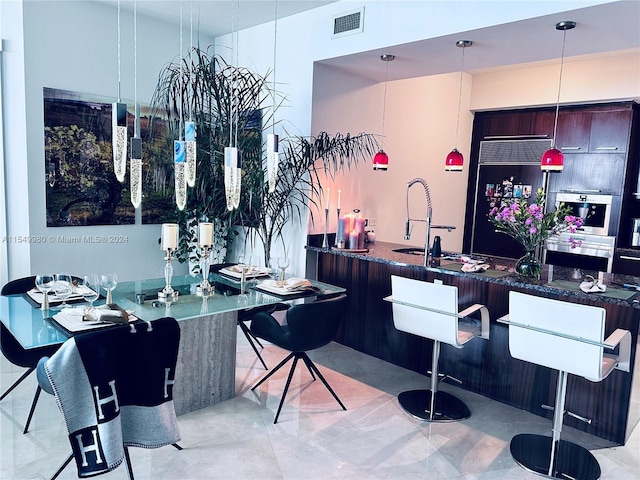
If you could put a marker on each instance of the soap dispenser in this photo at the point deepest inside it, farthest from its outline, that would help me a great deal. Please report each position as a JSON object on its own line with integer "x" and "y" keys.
{"x": 436, "y": 250}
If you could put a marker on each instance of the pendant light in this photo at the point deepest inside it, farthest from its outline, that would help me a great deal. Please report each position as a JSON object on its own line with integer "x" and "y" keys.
{"x": 179, "y": 155}
{"x": 381, "y": 159}
{"x": 119, "y": 125}
{"x": 135, "y": 175}
{"x": 272, "y": 138}
{"x": 190, "y": 126}
{"x": 552, "y": 159}
{"x": 232, "y": 156}
{"x": 455, "y": 160}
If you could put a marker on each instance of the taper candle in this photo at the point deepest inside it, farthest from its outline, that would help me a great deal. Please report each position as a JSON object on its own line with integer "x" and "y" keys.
{"x": 169, "y": 236}
{"x": 328, "y": 198}
{"x": 339, "y": 195}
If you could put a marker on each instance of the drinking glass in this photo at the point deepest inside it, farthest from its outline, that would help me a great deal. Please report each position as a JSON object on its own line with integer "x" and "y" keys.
{"x": 90, "y": 289}
{"x": 283, "y": 263}
{"x": 45, "y": 283}
{"x": 63, "y": 288}
{"x": 274, "y": 272}
{"x": 109, "y": 283}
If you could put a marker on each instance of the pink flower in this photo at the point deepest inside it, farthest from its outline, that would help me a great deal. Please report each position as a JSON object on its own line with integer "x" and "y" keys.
{"x": 533, "y": 230}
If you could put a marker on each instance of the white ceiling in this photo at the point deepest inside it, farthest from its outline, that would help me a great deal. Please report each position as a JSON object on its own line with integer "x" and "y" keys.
{"x": 600, "y": 29}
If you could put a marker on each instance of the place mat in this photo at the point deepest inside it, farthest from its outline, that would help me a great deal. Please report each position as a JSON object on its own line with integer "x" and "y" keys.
{"x": 575, "y": 287}
{"x": 235, "y": 271}
{"x": 293, "y": 286}
{"x": 457, "y": 267}
{"x": 36, "y": 296}
{"x": 72, "y": 320}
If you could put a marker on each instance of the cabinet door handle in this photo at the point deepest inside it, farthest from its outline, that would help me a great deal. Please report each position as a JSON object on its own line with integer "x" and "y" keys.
{"x": 606, "y": 148}
{"x": 627, "y": 257}
{"x": 570, "y": 148}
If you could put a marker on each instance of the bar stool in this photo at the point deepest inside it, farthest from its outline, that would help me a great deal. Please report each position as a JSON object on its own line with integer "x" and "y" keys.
{"x": 567, "y": 337}
{"x": 430, "y": 310}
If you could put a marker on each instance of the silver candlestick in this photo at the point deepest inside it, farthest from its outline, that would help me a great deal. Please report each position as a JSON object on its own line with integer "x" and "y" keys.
{"x": 204, "y": 253}
{"x": 168, "y": 294}
{"x": 325, "y": 240}
{"x": 337, "y": 240}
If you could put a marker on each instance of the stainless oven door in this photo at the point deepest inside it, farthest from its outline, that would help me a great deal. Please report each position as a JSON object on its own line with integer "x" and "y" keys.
{"x": 595, "y": 253}
{"x": 595, "y": 210}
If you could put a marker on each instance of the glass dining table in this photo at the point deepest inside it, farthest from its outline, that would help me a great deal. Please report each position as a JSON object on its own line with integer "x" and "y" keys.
{"x": 205, "y": 373}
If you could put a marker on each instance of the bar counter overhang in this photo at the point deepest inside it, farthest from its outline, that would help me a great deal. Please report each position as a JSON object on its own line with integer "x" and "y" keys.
{"x": 485, "y": 368}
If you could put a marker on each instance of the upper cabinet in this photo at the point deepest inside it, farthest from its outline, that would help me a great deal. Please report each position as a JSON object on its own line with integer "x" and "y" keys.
{"x": 601, "y": 129}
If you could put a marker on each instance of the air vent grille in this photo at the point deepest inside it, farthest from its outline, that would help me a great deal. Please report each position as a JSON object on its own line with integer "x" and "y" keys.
{"x": 348, "y": 23}
{"x": 513, "y": 151}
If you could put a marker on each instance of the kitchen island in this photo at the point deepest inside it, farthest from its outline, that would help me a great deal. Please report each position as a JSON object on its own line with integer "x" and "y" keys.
{"x": 486, "y": 368}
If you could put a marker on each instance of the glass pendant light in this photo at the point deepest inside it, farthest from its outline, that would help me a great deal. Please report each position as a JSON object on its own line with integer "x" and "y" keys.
{"x": 190, "y": 126}
{"x": 119, "y": 125}
{"x": 381, "y": 159}
{"x": 273, "y": 156}
{"x": 455, "y": 160}
{"x": 232, "y": 156}
{"x": 179, "y": 155}
{"x": 135, "y": 168}
{"x": 553, "y": 159}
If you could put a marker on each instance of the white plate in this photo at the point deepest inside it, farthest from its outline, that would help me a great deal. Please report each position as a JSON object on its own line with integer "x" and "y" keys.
{"x": 236, "y": 272}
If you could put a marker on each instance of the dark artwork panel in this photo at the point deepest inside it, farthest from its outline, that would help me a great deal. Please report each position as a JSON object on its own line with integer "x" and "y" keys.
{"x": 81, "y": 187}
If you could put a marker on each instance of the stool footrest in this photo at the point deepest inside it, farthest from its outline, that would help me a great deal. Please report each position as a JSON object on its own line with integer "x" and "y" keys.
{"x": 447, "y": 407}
{"x": 533, "y": 453}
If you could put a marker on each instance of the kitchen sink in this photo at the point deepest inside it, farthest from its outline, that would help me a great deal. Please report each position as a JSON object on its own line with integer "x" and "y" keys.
{"x": 410, "y": 250}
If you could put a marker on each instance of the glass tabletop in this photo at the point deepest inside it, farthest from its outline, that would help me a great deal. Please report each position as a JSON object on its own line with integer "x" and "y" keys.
{"x": 32, "y": 327}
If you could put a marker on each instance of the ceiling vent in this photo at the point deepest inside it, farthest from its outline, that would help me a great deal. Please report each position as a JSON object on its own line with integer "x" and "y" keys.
{"x": 348, "y": 23}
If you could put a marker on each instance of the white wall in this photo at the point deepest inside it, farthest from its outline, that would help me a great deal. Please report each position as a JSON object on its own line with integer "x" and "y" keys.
{"x": 72, "y": 45}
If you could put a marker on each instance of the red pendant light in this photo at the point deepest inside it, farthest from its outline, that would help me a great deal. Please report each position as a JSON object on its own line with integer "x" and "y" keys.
{"x": 381, "y": 159}
{"x": 455, "y": 160}
{"x": 553, "y": 159}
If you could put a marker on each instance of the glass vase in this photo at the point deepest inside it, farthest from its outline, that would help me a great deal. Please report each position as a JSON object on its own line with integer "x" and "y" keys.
{"x": 529, "y": 266}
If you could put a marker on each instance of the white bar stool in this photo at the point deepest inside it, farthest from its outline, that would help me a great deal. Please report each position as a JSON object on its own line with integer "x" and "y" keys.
{"x": 567, "y": 337}
{"x": 430, "y": 310}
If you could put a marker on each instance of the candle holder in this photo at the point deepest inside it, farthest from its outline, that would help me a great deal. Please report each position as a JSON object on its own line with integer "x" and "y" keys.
{"x": 204, "y": 289}
{"x": 168, "y": 294}
{"x": 325, "y": 240}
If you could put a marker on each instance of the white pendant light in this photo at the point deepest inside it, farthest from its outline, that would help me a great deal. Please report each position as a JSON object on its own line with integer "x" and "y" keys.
{"x": 135, "y": 167}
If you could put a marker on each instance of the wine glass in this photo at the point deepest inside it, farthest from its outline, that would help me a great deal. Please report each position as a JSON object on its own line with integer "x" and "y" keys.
{"x": 90, "y": 289}
{"x": 109, "y": 283}
{"x": 283, "y": 263}
{"x": 45, "y": 283}
{"x": 273, "y": 271}
{"x": 63, "y": 288}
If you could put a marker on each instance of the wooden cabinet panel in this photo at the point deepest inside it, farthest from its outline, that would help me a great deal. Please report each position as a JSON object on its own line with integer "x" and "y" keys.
{"x": 590, "y": 172}
{"x": 610, "y": 131}
{"x": 574, "y": 130}
{"x": 519, "y": 123}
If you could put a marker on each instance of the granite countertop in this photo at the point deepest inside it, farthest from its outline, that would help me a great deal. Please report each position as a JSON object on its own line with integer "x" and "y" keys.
{"x": 554, "y": 280}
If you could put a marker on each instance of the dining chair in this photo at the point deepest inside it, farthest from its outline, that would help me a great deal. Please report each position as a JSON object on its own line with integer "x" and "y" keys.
{"x": 567, "y": 337}
{"x": 114, "y": 388}
{"x": 16, "y": 353}
{"x": 308, "y": 326}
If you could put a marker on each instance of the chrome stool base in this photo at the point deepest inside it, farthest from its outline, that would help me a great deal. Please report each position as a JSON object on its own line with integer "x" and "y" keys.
{"x": 533, "y": 453}
{"x": 447, "y": 407}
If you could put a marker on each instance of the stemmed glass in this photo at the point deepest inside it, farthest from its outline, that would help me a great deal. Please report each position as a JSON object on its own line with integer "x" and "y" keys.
{"x": 45, "y": 283}
{"x": 273, "y": 271}
{"x": 283, "y": 263}
{"x": 90, "y": 289}
{"x": 109, "y": 283}
{"x": 63, "y": 288}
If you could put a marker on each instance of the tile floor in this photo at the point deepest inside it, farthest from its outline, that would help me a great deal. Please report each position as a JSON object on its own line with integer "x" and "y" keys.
{"x": 314, "y": 438}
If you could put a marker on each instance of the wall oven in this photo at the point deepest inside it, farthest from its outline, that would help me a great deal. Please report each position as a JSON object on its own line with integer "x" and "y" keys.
{"x": 597, "y": 249}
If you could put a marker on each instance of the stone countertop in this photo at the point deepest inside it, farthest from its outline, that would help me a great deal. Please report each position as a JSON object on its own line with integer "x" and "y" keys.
{"x": 384, "y": 252}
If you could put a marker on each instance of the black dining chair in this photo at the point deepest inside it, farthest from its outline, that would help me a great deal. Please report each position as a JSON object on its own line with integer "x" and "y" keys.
{"x": 14, "y": 352}
{"x": 308, "y": 326}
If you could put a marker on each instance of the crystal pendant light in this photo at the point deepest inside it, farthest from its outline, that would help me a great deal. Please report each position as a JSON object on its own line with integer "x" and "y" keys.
{"x": 179, "y": 174}
{"x": 272, "y": 138}
{"x": 135, "y": 167}
{"x": 553, "y": 159}
{"x": 119, "y": 125}
{"x": 381, "y": 159}
{"x": 232, "y": 156}
{"x": 190, "y": 126}
{"x": 455, "y": 160}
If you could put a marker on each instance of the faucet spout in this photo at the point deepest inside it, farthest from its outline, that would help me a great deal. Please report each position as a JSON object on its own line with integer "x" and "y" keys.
{"x": 407, "y": 231}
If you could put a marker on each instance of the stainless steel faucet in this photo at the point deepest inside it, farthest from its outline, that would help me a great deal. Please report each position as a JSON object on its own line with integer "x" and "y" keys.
{"x": 408, "y": 228}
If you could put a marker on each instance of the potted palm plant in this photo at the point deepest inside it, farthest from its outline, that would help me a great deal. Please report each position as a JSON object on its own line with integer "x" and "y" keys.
{"x": 227, "y": 104}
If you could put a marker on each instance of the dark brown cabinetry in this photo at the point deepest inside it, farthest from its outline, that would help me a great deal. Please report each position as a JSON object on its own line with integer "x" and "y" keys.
{"x": 602, "y": 129}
